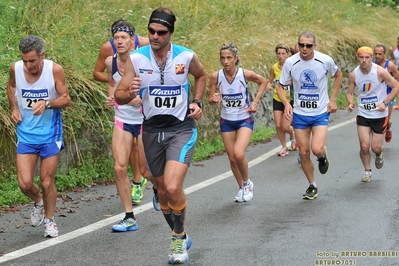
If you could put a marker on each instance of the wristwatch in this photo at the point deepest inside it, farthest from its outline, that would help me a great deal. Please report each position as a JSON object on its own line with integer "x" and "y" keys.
{"x": 199, "y": 102}
{"x": 48, "y": 104}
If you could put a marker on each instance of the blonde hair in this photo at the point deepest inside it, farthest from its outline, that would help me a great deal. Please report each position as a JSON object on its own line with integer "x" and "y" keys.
{"x": 282, "y": 46}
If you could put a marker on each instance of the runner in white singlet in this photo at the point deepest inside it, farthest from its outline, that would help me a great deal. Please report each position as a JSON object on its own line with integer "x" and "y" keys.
{"x": 237, "y": 122}
{"x": 160, "y": 74}
{"x": 308, "y": 72}
{"x": 371, "y": 81}
{"x": 37, "y": 91}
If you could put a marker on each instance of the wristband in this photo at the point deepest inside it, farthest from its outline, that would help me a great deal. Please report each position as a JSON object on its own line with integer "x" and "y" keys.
{"x": 198, "y": 102}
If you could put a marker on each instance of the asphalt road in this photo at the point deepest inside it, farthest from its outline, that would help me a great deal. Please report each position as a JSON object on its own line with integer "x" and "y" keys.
{"x": 350, "y": 223}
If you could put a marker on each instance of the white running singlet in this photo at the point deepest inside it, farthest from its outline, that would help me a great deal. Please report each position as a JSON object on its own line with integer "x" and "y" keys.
{"x": 310, "y": 82}
{"x": 370, "y": 93}
{"x": 395, "y": 53}
{"x": 164, "y": 92}
{"x": 234, "y": 96}
{"x": 128, "y": 114}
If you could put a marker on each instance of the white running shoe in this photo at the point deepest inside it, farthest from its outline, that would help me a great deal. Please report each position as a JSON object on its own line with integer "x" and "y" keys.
{"x": 283, "y": 152}
{"x": 248, "y": 191}
{"x": 179, "y": 253}
{"x": 239, "y": 197}
{"x": 50, "y": 228}
{"x": 366, "y": 176}
{"x": 37, "y": 215}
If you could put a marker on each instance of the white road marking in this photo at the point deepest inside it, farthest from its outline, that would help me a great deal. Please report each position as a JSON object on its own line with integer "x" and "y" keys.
{"x": 114, "y": 219}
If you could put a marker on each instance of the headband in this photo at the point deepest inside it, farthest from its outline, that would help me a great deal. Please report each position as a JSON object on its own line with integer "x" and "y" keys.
{"x": 163, "y": 18}
{"x": 122, "y": 28}
{"x": 364, "y": 49}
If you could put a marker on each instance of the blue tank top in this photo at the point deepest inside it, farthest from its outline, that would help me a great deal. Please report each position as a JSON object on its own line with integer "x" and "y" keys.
{"x": 37, "y": 129}
{"x": 389, "y": 89}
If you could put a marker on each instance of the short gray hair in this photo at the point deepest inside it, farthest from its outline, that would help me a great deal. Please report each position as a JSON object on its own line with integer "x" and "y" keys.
{"x": 308, "y": 34}
{"x": 31, "y": 42}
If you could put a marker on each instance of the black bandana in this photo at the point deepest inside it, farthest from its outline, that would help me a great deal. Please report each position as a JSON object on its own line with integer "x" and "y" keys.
{"x": 163, "y": 18}
{"x": 123, "y": 28}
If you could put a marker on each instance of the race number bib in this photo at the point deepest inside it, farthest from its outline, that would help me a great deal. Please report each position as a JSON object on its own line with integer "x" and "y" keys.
{"x": 369, "y": 103}
{"x": 308, "y": 101}
{"x": 165, "y": 96}
{"x": 30, "y": 97}
{"x": 233, "y": 100}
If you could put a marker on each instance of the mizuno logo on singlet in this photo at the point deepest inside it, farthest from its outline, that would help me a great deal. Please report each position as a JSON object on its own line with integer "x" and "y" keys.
{"x": 308, "y": 97}
{"x": 35, "y": 93}
{"x": 368, "y": 100}
{"x": 230, "y": 97}
{"x": 164, "y": 92}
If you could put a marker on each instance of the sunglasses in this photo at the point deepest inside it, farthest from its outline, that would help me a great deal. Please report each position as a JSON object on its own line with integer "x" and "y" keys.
{"x": 308, "y": 45}
{"x": 159, "y": 32}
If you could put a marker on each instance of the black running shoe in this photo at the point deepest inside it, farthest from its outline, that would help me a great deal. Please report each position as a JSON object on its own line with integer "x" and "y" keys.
{"x": 324, "y": 164}
{"x": 311, "y": 193}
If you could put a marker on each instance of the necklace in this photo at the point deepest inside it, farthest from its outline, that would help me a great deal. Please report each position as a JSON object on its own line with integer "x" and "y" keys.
{"x": 161, "y": 69}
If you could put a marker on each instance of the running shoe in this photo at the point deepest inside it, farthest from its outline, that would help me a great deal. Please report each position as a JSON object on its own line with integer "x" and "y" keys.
{"x": 50, "y": 228}
{"x": 189, "y": 241}
{"x": 137, "y": 194}
{"x": 311, "y": 193}
{"x": 379, "y": 161}
{"x": 248, "y": 191}
{"x": 138, "y": 191}
{"x": 37, "y": 215}
{"x": 366, "y": 176}
{"x": 324, "y": 164}
{"x": 298, "y": 158}
{"x": 179, "y": 253}
{"x": 155, "y": 202}
{"x": 125, "y": 225}
{"x": 294, "y": 145}
{"x": 238, "y": 197}
{"x": 143, "y": 184}
{"x": 283, "y": 152}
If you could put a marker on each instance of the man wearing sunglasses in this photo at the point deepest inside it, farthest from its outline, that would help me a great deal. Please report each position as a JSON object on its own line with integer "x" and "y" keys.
{"x": 308, "y": 71}
{"x": 159, "y": 73}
